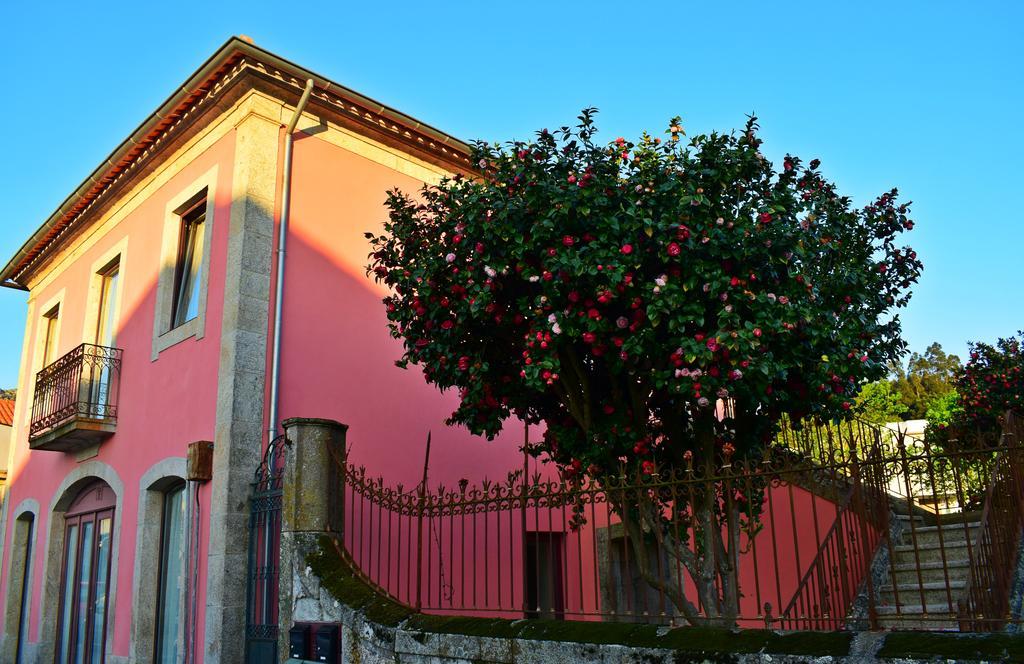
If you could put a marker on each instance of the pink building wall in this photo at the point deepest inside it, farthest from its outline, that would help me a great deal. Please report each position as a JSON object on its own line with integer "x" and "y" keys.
{"x": 338, "y": 357}
{"x": 164, "y": 404}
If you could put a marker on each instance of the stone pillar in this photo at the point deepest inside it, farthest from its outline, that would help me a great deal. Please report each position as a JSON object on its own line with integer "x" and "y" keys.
{"x": 311, "y": 507}
{"x": 239, "y": 428}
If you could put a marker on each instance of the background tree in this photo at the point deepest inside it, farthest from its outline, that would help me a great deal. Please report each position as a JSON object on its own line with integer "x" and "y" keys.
{"x": 926, "y": 377}
{"x": 614, "y": 292}
{"x": 991, "y": 383}
{"x": 11, "y": 393}
{"x": 879, "y": 403}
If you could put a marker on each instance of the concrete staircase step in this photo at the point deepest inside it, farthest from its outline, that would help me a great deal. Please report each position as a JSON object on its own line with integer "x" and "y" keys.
{"x": 927, "y": 585}
{"x": 909, "y": 554}
{"x": 931, "y": 572}
{"x": 934, "y": 593}
{"x": 937, "y": 610}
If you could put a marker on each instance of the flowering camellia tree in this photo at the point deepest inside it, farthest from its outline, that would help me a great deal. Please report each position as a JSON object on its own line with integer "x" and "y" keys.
{"x": 991, "y": 383}
{"x": 617, "y": 292}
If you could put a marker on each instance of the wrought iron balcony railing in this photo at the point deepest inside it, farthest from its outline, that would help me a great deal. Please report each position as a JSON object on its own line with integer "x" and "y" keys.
{"x": 75, "y": 400}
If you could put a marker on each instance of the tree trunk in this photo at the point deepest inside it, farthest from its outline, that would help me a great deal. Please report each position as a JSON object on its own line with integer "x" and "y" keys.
{"x": 700, "y": 550}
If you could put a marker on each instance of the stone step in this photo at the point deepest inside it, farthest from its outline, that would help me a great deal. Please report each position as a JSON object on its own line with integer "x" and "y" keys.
{"x": 909, "y": 554}
{"x": 929, "y": 535}
{"x": 931, "y": 572}
{"x": 935, "y": 593}
{"x": 911, "y": 623}
{"x": 917, "y": 610}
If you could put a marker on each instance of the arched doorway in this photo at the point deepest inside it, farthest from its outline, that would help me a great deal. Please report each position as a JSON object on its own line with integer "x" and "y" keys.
{"x": 85, "y": 576}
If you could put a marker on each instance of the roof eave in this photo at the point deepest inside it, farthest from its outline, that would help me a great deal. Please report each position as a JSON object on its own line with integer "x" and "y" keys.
{"x": 233, "y": 47}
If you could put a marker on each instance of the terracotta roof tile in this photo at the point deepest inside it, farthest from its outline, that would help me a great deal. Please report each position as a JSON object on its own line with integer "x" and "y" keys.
{"x": 6, "y": 412}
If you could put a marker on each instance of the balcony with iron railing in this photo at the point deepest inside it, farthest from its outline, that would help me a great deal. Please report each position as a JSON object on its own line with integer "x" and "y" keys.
{"x": 75, "y": 400}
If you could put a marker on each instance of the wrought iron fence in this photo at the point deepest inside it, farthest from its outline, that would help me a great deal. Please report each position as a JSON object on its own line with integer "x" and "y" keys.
{"x": 261, "y": 620}
{"x": 83, "y": 384}
{"x": 984, "y": 603}
{"x": 839, "y": 526}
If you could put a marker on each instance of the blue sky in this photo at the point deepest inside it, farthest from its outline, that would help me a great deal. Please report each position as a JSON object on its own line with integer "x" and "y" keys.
{"x": 925, "y": 96}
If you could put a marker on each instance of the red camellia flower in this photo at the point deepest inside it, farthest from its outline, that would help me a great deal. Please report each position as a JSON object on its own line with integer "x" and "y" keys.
{"x": 447, "y": 325}
{"x": 571, "y": 179}
{"x": 764, "y": 218}
{"x": 568, "y": 241}
{"x": 757, "y": 331}
{"x": 589, "y": 337}
{"x": 463, "y": 363}
{"x": 648, "y": 467}
{"x": 627, "y": 249}
{"x": 673, "y": 249}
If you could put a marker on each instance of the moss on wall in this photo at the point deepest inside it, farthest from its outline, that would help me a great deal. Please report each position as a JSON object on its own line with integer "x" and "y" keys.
{"x": 954, "y": 646}
{"x": 338, "y": 579}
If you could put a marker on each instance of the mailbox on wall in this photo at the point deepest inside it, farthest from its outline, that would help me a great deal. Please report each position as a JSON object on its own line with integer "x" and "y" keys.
{"x": 327, "y": 644}
{"x": 298, "y": 642}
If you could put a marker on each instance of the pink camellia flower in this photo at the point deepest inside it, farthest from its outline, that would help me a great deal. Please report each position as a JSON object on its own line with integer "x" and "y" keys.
{"x": 482, "y": 163}
{"x": 674, "y": 249}
{"x": 703, "y": 402}
{"x": 627, "y": 249}
{"x": 712, "y": 344}
{"x": 621, "y": 322}
{"x": 620, "y": 141}
{"x": 735, "y": 374}
{"x": 571, "y": 179}
{"x": 757, "y": 331}
{"x": 783, "y": 299}
{"x": 450, "y": 258}
{"x": 687, "y": 455}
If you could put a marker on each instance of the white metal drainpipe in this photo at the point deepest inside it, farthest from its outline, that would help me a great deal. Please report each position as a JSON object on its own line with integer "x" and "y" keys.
{"x": 286, "y": 195}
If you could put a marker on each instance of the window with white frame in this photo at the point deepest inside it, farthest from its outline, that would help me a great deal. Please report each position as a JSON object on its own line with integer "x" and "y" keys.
{"x": 184, "y": 264}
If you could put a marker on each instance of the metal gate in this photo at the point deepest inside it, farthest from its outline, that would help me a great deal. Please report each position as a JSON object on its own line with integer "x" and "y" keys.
{"x": 264, "y": 553}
